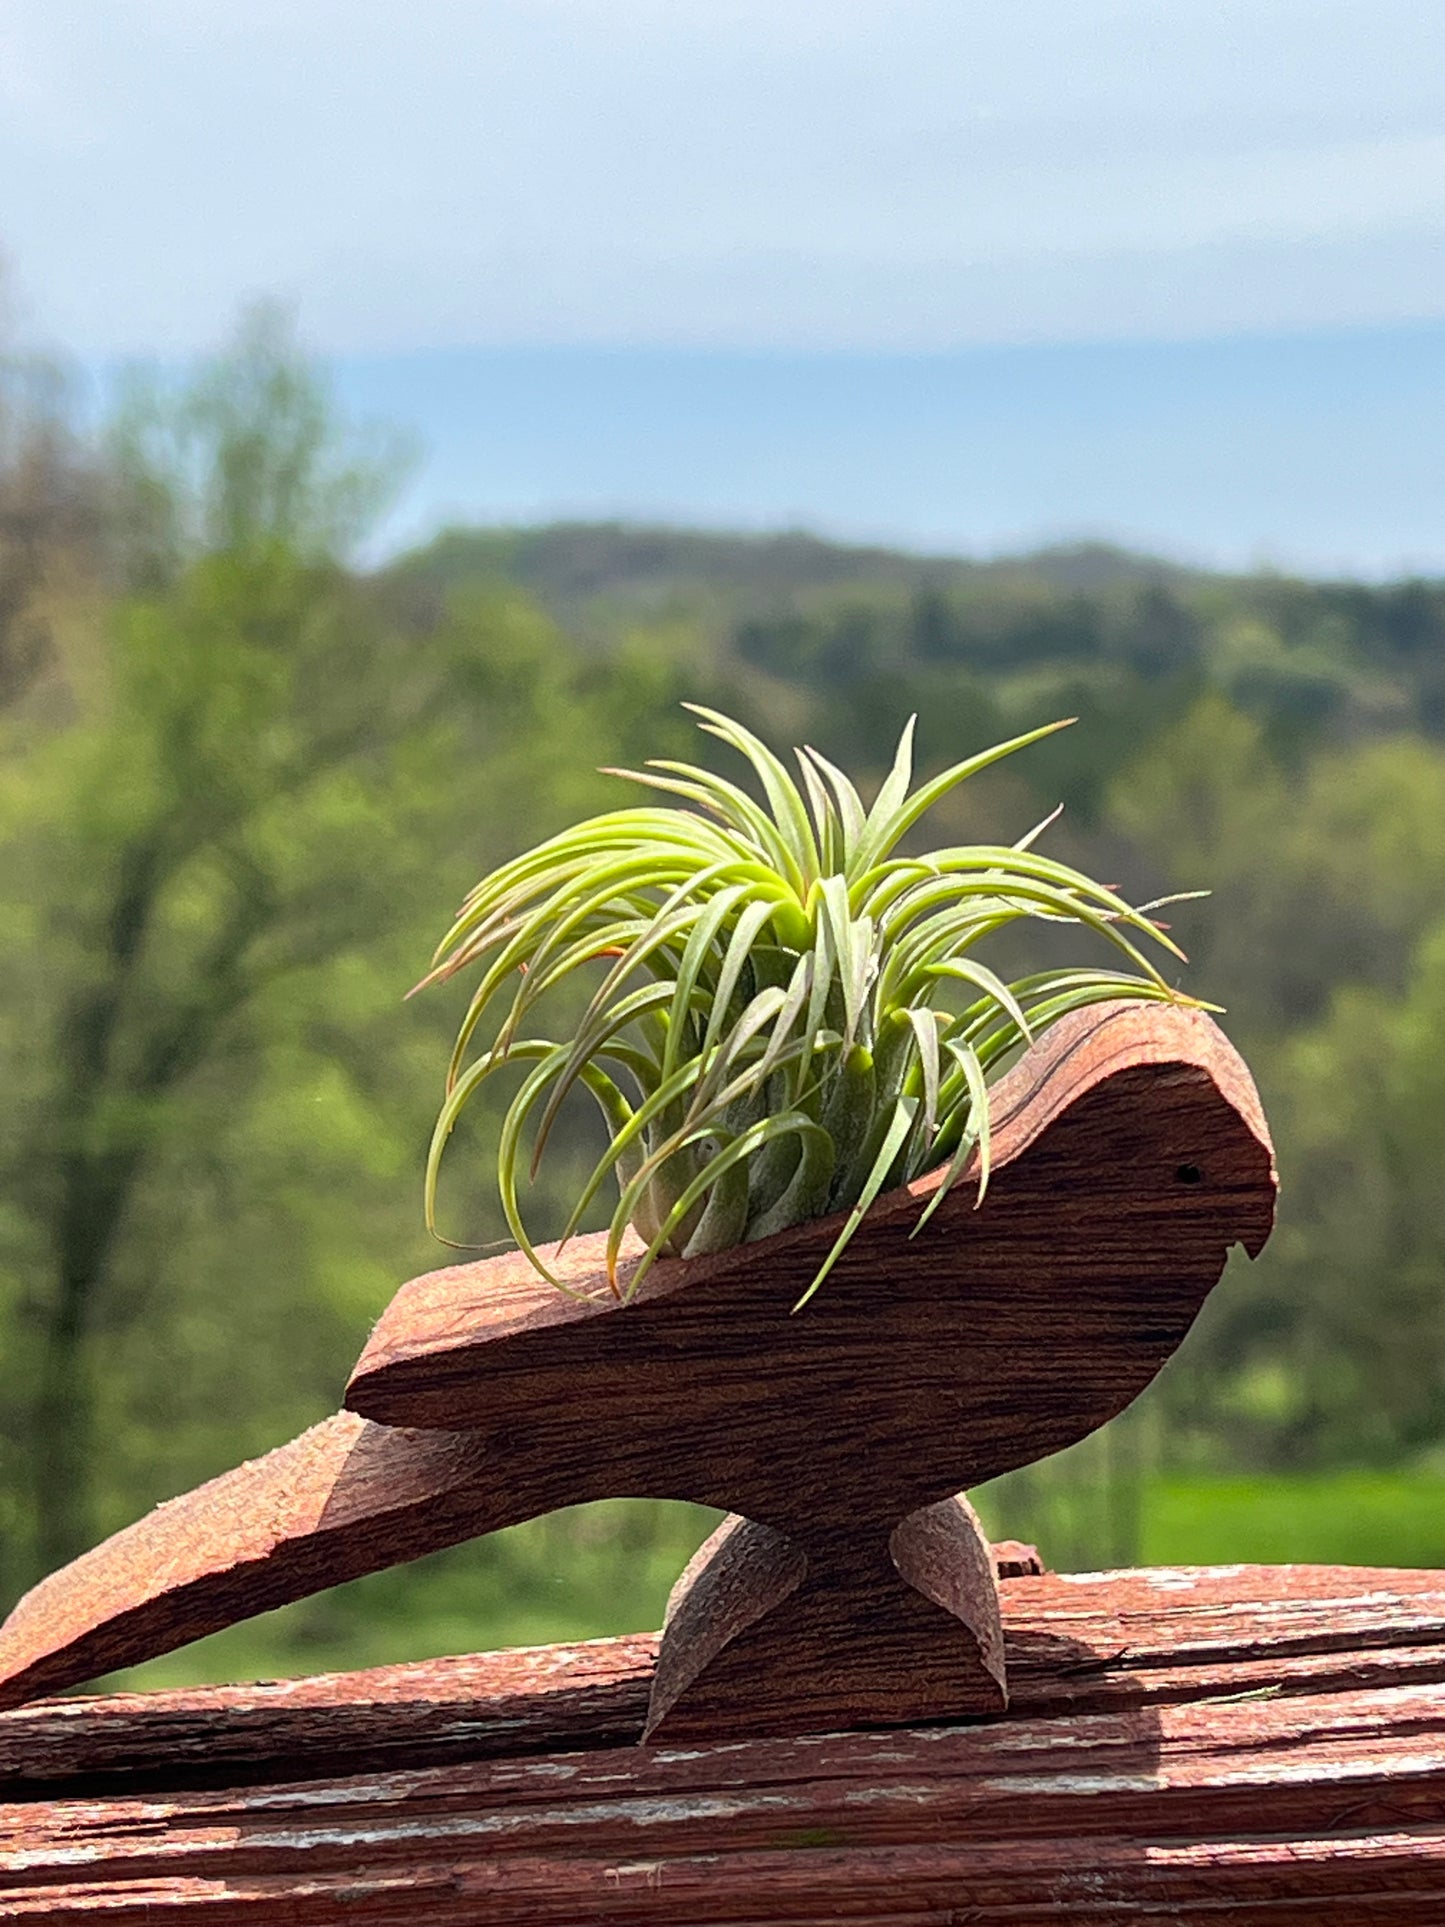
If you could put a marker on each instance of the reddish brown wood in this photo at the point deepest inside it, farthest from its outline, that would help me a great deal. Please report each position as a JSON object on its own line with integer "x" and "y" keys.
{"x": 345, "y": 1498}
{"x": 1248, "y": 1745}
{"x": 1130, "y": 1154}
{"x": 1013, "y": 1559}
{"x": 1076, "y": 1643}
{"x": 920, "y": 1630}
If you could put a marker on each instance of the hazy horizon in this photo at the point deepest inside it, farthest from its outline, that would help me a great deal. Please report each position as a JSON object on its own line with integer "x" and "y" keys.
{"x": 1316, "y": 454}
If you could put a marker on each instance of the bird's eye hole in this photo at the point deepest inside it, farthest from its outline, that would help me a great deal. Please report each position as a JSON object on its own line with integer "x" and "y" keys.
{"x": 1189, "y": 1174}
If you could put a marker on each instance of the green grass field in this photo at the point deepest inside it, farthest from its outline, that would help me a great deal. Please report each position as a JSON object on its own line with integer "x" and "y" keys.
{"x": 607, "y": 1569}
{"x": 1352, "y": 1518}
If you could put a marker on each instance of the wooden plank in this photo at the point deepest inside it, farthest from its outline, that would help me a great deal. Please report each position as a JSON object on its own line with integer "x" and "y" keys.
{"x": 1238, "y": 1744}
{"x": 532, "y": 1700}
{"x": 1077, "y": 1643}
{"x": 1273, "y": 1803}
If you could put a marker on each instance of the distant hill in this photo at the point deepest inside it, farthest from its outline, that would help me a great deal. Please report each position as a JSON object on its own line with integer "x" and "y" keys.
{"x": 859, "y": 635}
{"x": 648, "y": 571}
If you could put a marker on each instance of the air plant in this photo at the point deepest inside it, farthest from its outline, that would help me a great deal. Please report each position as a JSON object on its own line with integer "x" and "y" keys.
{"x": 790, "y": 1018}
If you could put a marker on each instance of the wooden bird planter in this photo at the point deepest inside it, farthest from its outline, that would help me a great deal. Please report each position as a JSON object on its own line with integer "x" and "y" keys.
{"x": 850, "y": 1586}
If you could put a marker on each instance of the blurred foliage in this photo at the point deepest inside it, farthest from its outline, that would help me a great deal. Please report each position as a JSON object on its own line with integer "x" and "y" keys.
{"x": 242, "y": 780}
{"x": 214, "y": 878}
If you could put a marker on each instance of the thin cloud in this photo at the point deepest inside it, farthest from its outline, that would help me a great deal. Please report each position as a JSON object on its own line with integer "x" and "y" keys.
{"x": 857, "y": 173}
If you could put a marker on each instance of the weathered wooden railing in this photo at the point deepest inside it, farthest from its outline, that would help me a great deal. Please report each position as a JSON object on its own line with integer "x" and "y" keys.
{"x": 1244, "y": 1745}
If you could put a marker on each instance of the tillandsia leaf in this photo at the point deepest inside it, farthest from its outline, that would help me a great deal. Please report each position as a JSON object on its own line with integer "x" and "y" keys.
{"x": 899, "y": 1125}
{"x": 964, "y": 970}
{"x": 698, "y": 950}
{"x": 628, "y": 1144}
{"x": 977, "y": 1133}
{"x": 878, "y": 832}
{"x": 777, "y": 989}
{"x": 893, "y": 1052}
{"x": 806, "y": 1194}
{"x": 1030, "y": 837}
{"x": 852, "y": 946}
{"x": 719, "y": 1084}
{"x": 789, "y": 812}
{"x": 824, "y": 962}
{"x": 671, "y": 926}
{"x": 789, "y": 1011}
{"x": 709, "y": 1108}
{"x": 847, "y": 1115}
{"x": 568, "y": 855}
{"x": 905, "y": 814}
{"x": 615, "y": 1110}
{"x": 831, "y": 845}
{"x": 734, "y": 808}
{"x": 924, "y": 1024}
{"x": 731, "y": 1153}
{"x": 926, "y": 945}
{"x": 744, "y": 935}
{"x": 907, "y": 887}
{"x": 585, "y": 1048}
{"x": 532, "y": 940}
{"x": 1104, "y": 988}
{"x": 724, "y": 1221}
{"x": 852, "y": 817}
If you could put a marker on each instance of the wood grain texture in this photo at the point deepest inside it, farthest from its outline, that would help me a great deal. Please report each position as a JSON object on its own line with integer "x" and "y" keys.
{"x": 346, "y": 1498}
{"x": 1075, "y": 1643}
{"x": 1248, "y": 1745}
{"x": 757, "y": 1632}
{"x": 1130, "y": 1155}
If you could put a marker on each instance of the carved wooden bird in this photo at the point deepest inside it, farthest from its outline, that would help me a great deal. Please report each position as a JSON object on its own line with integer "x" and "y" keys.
{"x": 850, "y": 1586}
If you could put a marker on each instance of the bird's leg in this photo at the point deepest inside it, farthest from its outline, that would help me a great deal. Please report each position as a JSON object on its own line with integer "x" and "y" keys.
{"x": 837, "y": 1626}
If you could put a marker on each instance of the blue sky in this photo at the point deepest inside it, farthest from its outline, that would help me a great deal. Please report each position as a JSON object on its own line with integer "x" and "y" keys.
{"x": 1325, "y": 453}
{"x": 965, "y": 276}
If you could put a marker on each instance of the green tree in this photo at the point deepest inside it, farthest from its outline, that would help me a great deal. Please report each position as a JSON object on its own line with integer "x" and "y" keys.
{"x": 218, "y": 880}
{"x": 1349, "y": 1320}
{"x": 1320, "y": 938}
{"x": 1320, "y": 874}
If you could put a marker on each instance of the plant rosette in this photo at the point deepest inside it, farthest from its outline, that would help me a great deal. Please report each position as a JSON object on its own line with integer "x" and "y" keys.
{"x": 790, "y": 1016}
